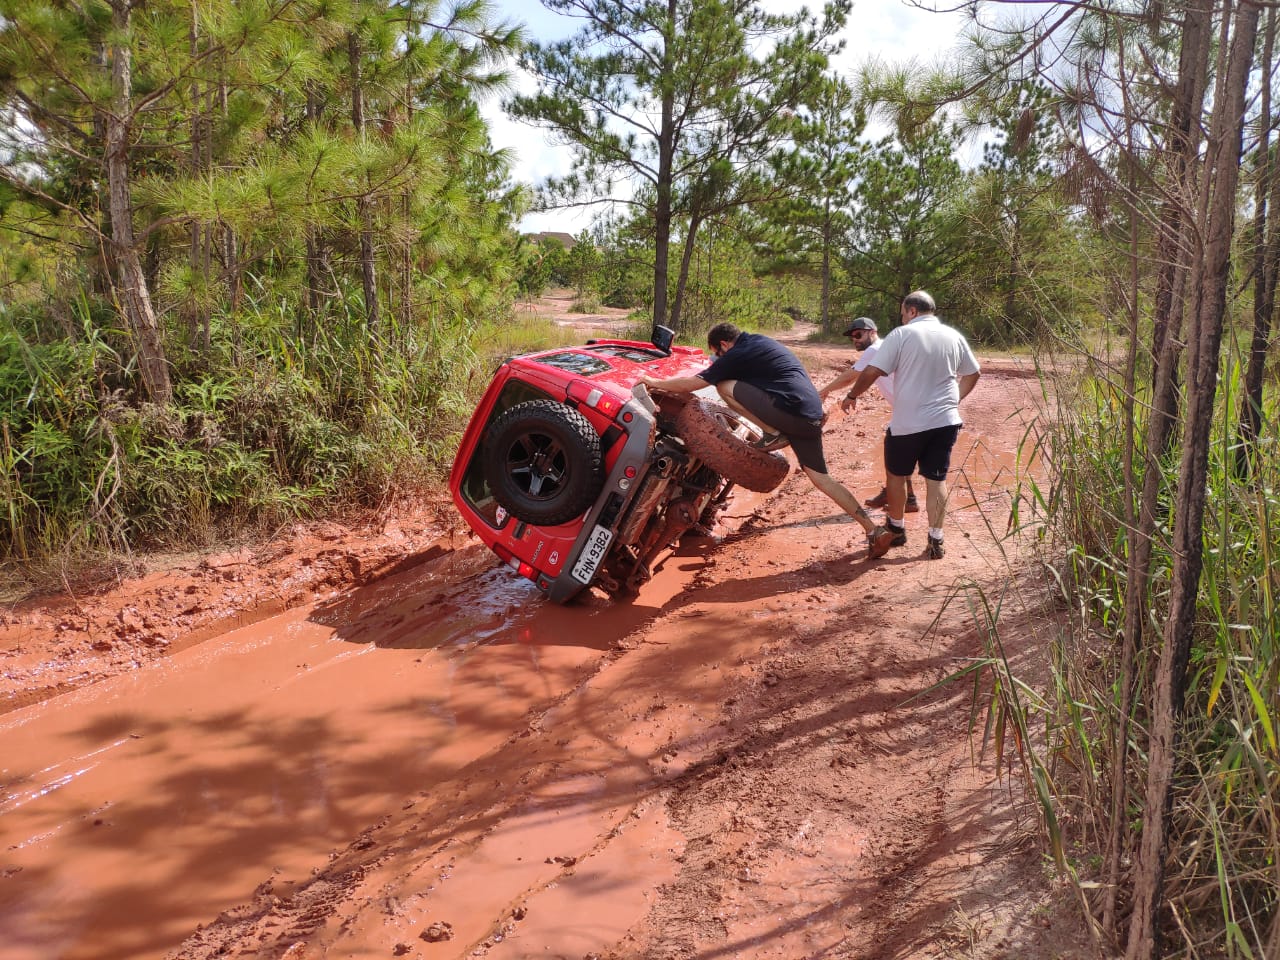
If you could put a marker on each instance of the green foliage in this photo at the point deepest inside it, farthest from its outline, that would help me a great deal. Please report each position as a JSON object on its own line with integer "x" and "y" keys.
{"x": 811, "y": 223}
{"x": 298, "y": 425}
{"x": 1029, "y": 276}
{"x": 584, "y": 269}
{"x": 708, "y": 86}
{"x": 540, "y": 263}
{"x": 724, "y": 284}
{"x": 319, "y": 214}
{"x": 1224, "y": 838}
{"x": 908, "y": 233}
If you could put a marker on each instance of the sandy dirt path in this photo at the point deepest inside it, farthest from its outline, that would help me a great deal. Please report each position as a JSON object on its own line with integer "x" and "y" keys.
{"x": 377, "y": 742}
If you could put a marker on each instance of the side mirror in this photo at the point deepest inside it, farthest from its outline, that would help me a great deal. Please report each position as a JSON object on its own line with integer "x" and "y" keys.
{"x": 662, "y": 337}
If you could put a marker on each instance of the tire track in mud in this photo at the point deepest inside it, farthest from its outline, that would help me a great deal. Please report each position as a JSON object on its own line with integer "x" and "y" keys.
{"x": 564, "y": 821}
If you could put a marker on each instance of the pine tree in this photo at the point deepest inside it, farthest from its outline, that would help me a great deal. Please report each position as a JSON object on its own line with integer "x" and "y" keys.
{"x": 813, "y": 221}
{"x": 676, "y": 99}
{"x": 908, "y": 232}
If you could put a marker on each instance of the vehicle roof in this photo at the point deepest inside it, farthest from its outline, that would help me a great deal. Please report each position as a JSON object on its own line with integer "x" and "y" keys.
{"x": 618, "y": 363}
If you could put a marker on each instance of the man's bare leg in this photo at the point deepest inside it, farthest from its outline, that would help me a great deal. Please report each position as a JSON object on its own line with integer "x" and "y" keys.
{"x": 847, "y": 502}
{"x": 895, "y": 507}
{"x": 725, "y": 389}
{"x": 936, "y": 502}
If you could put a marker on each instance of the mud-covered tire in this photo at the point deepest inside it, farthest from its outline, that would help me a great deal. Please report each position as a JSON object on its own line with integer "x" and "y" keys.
{"x": 710, "y": 431}
{"x": 543, "y": 462}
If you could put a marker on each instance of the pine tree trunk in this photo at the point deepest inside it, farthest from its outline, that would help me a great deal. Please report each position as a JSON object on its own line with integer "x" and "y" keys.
{"x": 231, "y": 254}
{"x": 316, "y": 252}
{"x": 682, "y": 279}
{"x": 364, "y": 207}
{"x": 1221, "y": 177}
{"x": 368, "y": 270}
{"x": 135, "y": 296}
{"x": 195, "y": 253}
{"x": 662, "y": 207}
{"x": 1175, "y": 238}
{"x": 230, "y": 244}
{"x": 102, "y": 267}
{"x": 1174, "y": 245}
{"x": 1015, "y": 270}
{"x": 826, "y": 267}
{"x": 406, "y": 269}
{"x": 1264, "y": 272}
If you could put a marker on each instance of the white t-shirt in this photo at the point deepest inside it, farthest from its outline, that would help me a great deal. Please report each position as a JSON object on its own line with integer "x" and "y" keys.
{"x": 883, "y": 384}
{"x": 925, "y": 356}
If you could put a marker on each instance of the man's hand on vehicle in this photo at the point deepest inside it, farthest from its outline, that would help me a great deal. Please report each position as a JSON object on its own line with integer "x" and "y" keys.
{"x": 674, "y": 384}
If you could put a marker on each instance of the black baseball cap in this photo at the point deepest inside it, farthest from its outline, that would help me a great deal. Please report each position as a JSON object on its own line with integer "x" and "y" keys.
{"x": 862, "y": 323}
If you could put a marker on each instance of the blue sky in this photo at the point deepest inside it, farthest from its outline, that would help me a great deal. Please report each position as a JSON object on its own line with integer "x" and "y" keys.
{"x": 891, "y": 30}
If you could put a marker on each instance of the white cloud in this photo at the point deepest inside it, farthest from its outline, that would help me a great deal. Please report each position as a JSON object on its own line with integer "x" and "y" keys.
{"x": 890, "y": 30}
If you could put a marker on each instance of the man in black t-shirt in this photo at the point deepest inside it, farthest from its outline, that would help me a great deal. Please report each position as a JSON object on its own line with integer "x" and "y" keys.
{"x": 766, "y": 383}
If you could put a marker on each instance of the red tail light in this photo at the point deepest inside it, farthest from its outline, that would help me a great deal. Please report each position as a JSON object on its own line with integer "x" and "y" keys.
{"x": 525, "y": 570}
{"x": 595, "y": 398}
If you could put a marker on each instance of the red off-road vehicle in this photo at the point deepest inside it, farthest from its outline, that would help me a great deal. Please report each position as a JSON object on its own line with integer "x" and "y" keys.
{"x": 575, "y": 476}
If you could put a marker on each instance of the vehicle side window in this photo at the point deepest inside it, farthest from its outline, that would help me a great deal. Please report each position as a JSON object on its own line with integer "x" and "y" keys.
{"x": 630, "y": 353}
{"x": 474, "y": 486}
{"x": 580, "y": 364}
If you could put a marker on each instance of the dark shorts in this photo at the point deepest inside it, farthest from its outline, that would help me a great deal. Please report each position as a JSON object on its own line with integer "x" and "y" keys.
{"x": 931, "y": 449}
{"x": 805, "y": 435}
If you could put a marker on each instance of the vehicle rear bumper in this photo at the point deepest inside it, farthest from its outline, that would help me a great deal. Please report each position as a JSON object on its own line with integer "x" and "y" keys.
{"x": 611, "y": 506}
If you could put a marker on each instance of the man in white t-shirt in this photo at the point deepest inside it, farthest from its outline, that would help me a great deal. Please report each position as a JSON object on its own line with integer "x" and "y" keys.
{"x": 862, "y": 332}
{"x": 934, "y": 369}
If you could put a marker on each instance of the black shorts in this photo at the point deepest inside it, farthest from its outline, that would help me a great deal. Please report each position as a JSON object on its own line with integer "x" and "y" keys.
{"x": 931, "y": 449}
{"x": 805, "y": 435}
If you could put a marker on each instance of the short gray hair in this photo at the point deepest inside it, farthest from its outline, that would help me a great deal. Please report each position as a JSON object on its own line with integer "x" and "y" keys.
{"x": 921, "y": 300}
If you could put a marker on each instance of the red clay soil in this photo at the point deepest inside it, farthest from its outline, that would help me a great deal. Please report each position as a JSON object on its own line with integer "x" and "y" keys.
{"x": 372, "y": 740}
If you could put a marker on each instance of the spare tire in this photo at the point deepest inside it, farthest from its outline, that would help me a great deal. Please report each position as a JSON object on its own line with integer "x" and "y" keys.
{"x": 713, "y": 433}
{"x": 543, "y": 462}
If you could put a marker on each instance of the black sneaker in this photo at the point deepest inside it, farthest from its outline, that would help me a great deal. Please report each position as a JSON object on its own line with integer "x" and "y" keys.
{"x": 912, "y": 505}
{"x": 879, "y": 500}
{"x": 899, "y": 535}
{"x": 935, "y": 549}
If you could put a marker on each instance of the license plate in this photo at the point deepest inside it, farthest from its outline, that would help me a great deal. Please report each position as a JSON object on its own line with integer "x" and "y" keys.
{"x": 592, "y": 553}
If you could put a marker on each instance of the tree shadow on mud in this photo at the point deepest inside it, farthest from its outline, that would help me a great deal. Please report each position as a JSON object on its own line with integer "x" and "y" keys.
{"x": 933, "y": 881}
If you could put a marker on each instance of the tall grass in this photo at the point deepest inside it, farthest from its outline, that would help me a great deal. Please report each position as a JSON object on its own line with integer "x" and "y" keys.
{"x": 1223, "y": 869}
{"x": 277, "y": 420}
{"x": 1222, "y": 892}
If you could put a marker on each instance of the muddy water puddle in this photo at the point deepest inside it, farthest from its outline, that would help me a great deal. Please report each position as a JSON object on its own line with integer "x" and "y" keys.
{"x": 135, "y": 809}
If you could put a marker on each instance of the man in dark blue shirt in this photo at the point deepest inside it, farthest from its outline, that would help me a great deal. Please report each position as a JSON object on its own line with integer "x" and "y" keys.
{"x": 763, "y": 381}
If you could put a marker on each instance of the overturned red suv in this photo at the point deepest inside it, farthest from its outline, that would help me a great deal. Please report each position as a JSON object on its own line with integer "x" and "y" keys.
{"x": 575, "y": 476}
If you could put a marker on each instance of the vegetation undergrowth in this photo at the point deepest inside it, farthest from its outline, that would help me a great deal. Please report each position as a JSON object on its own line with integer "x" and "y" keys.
{"x": 1223, "y": 872}
{"x": 1223, "y": 867}
{"x": 271, "y": 423}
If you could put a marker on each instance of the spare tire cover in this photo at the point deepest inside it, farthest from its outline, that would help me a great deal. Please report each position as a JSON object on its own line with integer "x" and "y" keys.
{"x": 543, "y": 462}
{"x": 708, "y": 430}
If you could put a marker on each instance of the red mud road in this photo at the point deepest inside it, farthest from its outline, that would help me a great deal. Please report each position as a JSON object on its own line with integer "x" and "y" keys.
{"x": 379, "y": 743}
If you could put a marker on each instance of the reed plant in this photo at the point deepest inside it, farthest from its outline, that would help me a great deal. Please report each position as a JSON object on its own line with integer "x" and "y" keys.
{"x": 1222, "y": 891}
{"x": 1222, "y": 888}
